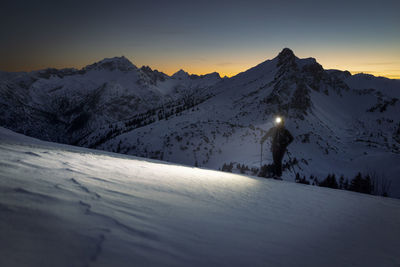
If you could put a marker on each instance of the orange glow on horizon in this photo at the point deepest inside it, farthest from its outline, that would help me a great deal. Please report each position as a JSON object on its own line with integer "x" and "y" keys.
{"x": 377, "y": 65}
{"x": 228, "y": 73}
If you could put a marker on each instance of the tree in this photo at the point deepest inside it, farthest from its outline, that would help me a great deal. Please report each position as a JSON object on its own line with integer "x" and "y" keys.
{"x": 300, "y": 180}
{"x": 297, "y": 179}
{"x": 346, "y": 184}
{"x": 314, "y": 179}
{"x": 355, "y": 184}
{"x": 330, "y": 181}
{"x": 341, "y": 182}
{"x": 366, "y": 186}
{"x": 361, "y": 185}
{"x": 227, "y": 167}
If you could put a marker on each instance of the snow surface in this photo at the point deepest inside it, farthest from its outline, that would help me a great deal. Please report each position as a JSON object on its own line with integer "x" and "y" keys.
{"x": 342, "y": 124}
{"x": 344, "y": 137}
{"x": 68, "y": 206}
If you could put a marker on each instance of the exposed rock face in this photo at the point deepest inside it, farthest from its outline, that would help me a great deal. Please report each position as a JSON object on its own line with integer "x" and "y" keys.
{"x": 294, "y": 80}
{"x": 153, "y": 76}
{"x": 286, "y": 57}
{"x": 290, "y": 94}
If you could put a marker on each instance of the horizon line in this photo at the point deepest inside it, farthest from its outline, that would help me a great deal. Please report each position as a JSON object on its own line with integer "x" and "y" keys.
{"x": 222, "y": 75}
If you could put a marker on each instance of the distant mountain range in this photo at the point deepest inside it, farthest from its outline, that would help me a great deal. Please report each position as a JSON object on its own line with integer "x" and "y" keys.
{"x": 342, "y": 123}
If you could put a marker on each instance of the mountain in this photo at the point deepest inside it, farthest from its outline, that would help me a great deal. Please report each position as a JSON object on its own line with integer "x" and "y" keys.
{"x": 70, "y": 206}
{"x": 67, "y": 105}
{"x": 342, "y": 123}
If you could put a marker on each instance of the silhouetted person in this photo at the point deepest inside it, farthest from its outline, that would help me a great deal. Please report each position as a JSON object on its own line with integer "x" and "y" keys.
{"x": 281, "y": 138}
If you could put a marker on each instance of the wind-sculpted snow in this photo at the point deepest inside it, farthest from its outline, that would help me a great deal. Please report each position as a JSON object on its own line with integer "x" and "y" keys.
{"x": 67, "y": 206}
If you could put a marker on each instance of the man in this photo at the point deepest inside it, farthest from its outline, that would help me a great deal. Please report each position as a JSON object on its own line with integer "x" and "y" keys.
{"x": 281, "y": 138}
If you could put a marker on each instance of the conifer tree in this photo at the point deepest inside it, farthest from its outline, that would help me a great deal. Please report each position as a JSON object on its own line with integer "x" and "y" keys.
{"x": 341, "y": 182}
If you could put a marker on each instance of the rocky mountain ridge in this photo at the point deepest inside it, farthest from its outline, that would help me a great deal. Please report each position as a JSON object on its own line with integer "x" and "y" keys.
{"x": 342, "y": 123}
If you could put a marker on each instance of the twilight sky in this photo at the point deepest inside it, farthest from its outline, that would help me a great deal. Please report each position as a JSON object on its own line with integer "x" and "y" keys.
{"x": 201, "y": 36}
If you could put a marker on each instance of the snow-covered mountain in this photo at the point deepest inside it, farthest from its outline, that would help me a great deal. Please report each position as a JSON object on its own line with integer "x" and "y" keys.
{"x": 342, "y": 123}
{"x": 69, "y": 206}
{"x": 67, "y": 105}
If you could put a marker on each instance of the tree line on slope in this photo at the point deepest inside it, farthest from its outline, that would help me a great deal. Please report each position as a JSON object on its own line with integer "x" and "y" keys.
{"x": 140, "y": 120}
{"x": 371, "y": 183}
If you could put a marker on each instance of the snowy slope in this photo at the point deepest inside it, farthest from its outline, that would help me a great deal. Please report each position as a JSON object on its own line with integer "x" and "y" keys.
{"x": 342, "y": 123}
{"x": 68, "y": 105}
{"x": 67, "y": 206}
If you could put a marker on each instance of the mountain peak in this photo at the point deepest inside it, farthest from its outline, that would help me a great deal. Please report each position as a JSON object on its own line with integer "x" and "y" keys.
{"x": 153, "y": 75}
{"x": 286, "y": 53}
{"x": 286, "y": 59}
{"x": 212, "y": 75}
{"x": 180, "y": 74}
{"x": 114, "y": 63}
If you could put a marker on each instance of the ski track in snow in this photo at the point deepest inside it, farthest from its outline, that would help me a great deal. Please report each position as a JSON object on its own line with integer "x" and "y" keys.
{"x": 69, "y": 206}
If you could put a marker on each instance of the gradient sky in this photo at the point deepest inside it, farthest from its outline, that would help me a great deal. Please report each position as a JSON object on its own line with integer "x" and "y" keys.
{"x": 201, "y": 36}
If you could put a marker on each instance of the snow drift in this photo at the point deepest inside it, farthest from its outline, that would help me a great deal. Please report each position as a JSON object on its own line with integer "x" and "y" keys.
{"x": 67, "y": 206}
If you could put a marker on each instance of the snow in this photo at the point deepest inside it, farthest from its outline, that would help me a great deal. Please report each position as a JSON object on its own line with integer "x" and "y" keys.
{"x": 335, "y": 121}
{"x": 97, "y": 107}
{"x": 67, "y": 206}
{"x": 366, "y": 81}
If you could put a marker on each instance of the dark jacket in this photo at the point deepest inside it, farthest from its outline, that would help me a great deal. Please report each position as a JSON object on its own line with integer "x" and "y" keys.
{"x": 281, "y": 138}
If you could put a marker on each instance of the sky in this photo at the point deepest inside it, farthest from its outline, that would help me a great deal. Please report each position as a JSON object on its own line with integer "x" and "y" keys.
{"x": 201, "y": 36}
